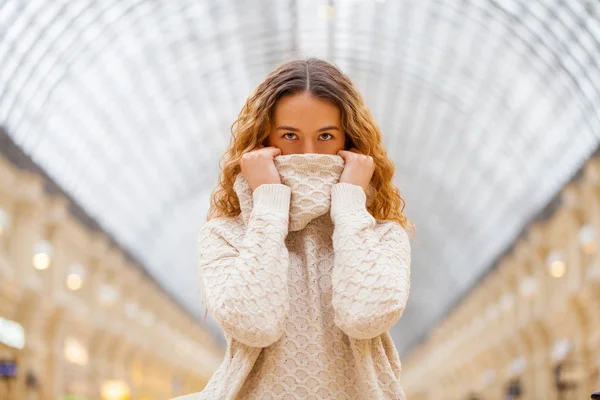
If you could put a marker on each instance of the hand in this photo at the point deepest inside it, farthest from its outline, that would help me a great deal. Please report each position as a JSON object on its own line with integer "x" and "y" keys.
{"x": 258, "y": 167}
{"x": 358, "y": 168}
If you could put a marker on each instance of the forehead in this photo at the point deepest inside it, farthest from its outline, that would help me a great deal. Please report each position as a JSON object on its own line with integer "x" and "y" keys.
{"x": 305, "y": 109}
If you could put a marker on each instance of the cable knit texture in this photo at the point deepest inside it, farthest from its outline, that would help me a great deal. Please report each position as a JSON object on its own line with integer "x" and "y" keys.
{"x": 305, "y": 284}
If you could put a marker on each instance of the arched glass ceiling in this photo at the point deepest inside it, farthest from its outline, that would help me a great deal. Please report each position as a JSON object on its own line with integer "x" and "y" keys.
{"x": 488, "y": 107}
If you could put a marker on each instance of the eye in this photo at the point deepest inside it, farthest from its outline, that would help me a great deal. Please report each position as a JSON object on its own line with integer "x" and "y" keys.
{"x": 288, "y": 134}
{"x": 331, "y": 136}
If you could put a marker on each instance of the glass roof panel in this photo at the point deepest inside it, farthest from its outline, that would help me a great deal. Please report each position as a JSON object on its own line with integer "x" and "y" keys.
{"x": 487, "y": 108}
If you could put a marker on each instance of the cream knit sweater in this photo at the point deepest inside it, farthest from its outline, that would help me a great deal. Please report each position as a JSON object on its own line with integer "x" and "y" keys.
{"x": 305, "y": 284}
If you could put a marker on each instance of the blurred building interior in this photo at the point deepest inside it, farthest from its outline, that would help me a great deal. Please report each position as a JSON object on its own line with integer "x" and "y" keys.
{"x": 79, "y": 315}
{"x": 113, "y": 116}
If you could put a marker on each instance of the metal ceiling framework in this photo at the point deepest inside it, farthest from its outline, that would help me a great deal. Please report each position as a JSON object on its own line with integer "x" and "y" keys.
{"x": 487, "y": 107}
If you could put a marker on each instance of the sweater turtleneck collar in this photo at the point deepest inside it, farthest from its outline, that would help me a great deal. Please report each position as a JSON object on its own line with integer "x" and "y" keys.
{"x": 310, "y": 177}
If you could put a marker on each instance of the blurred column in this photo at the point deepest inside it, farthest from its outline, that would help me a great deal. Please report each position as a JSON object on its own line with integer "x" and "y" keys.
{"x": 54, "y": 385}
{"x": 135, "y": 373}
{"x": 496, "y": 355}
{"x": 98, "y": 297}
{"x": 567, "y": 276}
{"x": 544, "y": 382}
{"x": 96, "y": 274}
{"x": 589, "y": 236}
{"x": 128, "y": 316}
{"x": 8, "y": 180}
{"x": 28, "y": 228}
{"x": 121, "y": 362}
{"x": 98, "y": 345}
{"x": 106, "y": 297}
{"x": 144, "y": 390}
{"x": 52, "y": 290}
{"x": 526, "y": 286}
{"x": 53, "y": 283}
{"x": 520, "y": 357}
{"x": 33, "y": 314}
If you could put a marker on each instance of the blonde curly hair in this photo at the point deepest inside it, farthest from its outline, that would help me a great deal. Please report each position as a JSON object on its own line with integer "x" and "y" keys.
{"x": 325, "y": 81}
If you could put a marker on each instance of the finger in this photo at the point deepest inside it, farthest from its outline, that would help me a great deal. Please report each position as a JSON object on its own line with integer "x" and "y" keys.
{"x": 273, "y": 151}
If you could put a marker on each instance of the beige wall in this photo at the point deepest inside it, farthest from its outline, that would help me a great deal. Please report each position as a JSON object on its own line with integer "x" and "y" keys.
{"x": 142, "y": 337}
{"x": 520, "y": 321}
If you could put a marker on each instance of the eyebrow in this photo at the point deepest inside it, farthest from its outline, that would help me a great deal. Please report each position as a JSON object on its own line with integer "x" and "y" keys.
{"x": 291, "y": 128}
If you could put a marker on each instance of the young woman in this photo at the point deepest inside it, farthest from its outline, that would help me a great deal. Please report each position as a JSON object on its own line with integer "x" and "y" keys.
{"x": 305, "y": 260}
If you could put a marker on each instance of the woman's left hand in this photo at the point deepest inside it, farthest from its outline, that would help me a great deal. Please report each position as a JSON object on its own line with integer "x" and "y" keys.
{"x": 358, "y": 168}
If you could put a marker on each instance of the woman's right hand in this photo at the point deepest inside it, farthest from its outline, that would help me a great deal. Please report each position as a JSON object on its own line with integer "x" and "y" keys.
{"x": 258, "y": 167}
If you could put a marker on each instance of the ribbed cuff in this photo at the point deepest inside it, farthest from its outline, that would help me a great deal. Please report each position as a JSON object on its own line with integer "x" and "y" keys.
{"x": 346, "y": 197}
{"x": 272, "y": 197}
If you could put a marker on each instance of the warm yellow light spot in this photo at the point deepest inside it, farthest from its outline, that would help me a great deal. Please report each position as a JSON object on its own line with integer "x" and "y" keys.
{"x": 74, "y": 282}
{"x": 558, "y": 269}
{"x": 75, "y": 353}
{"x": 42, "y": 255}
{"x": 115, "y": 390}
{"x": 41, "y": 261}
{"x": 556, "y": 265}
{"x": 75, "y": 276}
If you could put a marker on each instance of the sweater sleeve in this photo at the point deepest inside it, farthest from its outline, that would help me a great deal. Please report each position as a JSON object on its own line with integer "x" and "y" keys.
{"x": 371, "y": 273}
{"x": 245, "y": 287}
